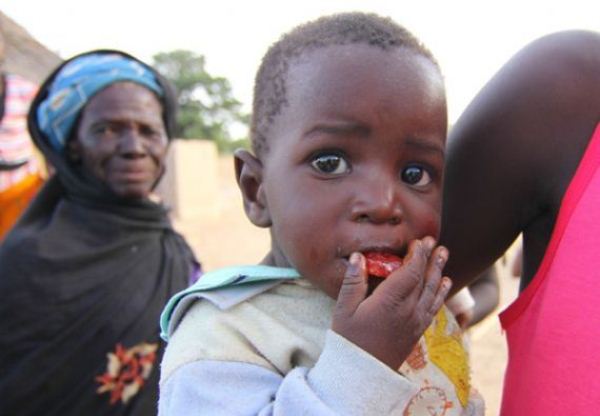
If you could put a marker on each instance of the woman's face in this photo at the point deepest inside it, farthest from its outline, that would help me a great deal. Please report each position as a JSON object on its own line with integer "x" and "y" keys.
{"x": 121, "y": 139}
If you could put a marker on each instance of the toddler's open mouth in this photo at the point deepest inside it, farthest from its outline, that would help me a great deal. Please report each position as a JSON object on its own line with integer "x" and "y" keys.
{"x": 381, "y": 264}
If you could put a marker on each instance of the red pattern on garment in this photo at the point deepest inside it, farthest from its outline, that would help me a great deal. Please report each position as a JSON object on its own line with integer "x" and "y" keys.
{"x": 126, "y": 371}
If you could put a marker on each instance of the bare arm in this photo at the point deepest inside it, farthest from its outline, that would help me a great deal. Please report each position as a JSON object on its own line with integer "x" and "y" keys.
{"x": 476, "y": 301}
{"x": 512, "y": 153}
{"x": 486, "y": 292}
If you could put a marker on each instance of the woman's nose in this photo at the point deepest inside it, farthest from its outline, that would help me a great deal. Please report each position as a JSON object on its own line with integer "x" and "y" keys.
{"x": 132, "y": 143}
{"x": 378, "y": 202}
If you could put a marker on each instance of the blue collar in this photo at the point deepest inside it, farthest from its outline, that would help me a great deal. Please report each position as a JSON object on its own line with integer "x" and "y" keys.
{"x": 254, "y": 278}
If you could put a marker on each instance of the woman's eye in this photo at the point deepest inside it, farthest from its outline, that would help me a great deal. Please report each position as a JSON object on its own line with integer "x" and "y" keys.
{"x": 416, "y": 176}
{"x": 103, "y": 130}
{"x": 150, "y": 132}
{"x": 330, "y": 164}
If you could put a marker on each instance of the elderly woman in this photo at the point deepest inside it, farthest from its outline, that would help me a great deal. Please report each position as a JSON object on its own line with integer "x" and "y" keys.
{"x": 88, "y": 268}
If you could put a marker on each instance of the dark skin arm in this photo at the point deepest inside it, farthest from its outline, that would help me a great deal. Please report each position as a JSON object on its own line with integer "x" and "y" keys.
{"x": 486, "y": 292}
{"x": 512, "y": 153}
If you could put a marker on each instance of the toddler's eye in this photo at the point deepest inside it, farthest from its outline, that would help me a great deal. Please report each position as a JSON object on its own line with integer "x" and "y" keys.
{"x": 416, "y": 176}
{"x": 330, "y": 164}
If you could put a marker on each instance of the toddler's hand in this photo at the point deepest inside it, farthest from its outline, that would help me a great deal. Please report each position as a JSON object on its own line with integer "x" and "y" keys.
{"x": 388, "y": 323}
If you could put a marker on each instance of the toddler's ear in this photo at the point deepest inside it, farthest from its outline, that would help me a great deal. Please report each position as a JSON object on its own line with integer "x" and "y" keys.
{"x": 248, "y": 172}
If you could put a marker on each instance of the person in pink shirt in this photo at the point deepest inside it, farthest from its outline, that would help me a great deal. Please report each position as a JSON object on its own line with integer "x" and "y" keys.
{"x": 524, "y": 158}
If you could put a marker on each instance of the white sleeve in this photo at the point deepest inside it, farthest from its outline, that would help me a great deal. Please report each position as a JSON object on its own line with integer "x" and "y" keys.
{"x": 461, "y": 302}
{"x": 344, "y": 381}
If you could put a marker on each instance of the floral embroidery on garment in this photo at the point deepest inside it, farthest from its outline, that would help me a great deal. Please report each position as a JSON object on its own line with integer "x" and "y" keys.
{"x": 126, "y": 371}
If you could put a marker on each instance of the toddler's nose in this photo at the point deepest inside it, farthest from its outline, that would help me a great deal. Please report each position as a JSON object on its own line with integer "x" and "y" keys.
{"x": 379, "y": 203}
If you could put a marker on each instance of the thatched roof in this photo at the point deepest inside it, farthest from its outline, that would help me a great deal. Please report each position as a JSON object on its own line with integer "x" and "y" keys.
{"x": 23, "y": 54}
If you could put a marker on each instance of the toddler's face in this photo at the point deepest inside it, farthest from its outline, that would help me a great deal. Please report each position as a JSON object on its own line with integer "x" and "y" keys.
{"x": 355, "y": 159}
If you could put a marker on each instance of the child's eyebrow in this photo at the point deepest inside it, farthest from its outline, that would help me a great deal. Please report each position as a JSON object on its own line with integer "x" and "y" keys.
{"x": 430, "y": 146}
{"x": 359, "y": 130}
{"x": 338, "y": 129}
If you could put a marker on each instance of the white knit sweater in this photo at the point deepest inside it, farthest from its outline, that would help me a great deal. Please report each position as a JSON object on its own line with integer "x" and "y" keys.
{"x": 270, "y": 351}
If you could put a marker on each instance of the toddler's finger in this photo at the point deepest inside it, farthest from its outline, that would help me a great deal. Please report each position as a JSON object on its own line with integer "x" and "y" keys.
{"x": 354, "y": 286}
{"x": 405, "y": 283}
{"x": 433, "y": 274}
{"x": 440, "y": 296}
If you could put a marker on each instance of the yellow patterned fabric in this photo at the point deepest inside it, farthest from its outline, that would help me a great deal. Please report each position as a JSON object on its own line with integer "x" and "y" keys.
{"x": 440, "y": 362}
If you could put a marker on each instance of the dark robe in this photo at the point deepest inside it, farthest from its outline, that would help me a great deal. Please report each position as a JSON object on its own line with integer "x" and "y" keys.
{"x": 84, "y": 276}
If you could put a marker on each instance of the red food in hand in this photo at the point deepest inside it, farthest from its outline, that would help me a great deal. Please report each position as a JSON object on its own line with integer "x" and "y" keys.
{"x": 382, "y": 264}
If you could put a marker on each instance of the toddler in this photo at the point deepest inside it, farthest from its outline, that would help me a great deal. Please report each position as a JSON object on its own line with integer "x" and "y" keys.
{"x": 348, "y": 135}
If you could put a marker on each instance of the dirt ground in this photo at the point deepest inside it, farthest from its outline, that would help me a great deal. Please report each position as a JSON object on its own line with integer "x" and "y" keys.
{"x": 230, "y": 239}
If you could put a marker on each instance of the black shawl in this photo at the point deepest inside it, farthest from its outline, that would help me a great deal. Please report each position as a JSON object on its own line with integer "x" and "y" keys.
{"x": 83, "y": 278}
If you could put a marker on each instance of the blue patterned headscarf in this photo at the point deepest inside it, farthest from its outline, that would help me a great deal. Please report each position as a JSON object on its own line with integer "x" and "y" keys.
{"x": 76, "y": 84}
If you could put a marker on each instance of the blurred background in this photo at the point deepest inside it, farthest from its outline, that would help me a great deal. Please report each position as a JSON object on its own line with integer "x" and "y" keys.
{"x": 470, "y": 39}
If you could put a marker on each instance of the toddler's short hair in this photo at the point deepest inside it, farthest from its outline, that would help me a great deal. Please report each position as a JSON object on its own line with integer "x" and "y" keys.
{"x": 337, "y": 29}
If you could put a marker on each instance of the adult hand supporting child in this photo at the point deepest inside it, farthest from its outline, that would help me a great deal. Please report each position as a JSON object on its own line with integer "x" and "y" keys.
{"x": 389, "y": 322}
